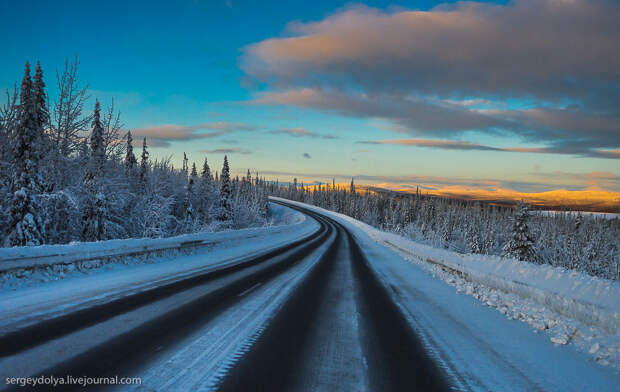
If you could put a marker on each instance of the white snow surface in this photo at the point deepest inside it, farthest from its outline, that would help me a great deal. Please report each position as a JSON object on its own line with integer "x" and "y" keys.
{"x": 568, "y": 320}
{"x": 41, "y": 295}
{"x": 30, "y": 256}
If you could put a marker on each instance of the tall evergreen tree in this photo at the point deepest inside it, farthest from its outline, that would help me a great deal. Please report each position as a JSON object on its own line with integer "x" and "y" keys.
{"x": 144, "y": 167}
{"x": 130, "y": 158}
{"x": 185, "y": 168}
{"x": 205, "y": 174}
{"x": 97, "y": 146}
{"x": 521, "y": 244}
{"x": 40, "y": 99}
{"x": 94, "y": 211}
{"x": 188, "y": 205}
{"x": 25, "y": 223}
{"x": 225, "y": 193}
{"x": 43, "y": 145}
{"x": 206, "y": 193}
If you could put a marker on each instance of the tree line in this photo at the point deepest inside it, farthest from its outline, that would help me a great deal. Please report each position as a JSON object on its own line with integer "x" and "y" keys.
{"x": 573, "y": 241}
{"x": 66, "y": 175}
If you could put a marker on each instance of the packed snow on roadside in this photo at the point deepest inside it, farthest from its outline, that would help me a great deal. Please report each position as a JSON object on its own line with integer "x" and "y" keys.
{"x": 568, "y": 306}
{"x": 285, "y": 224}
{"x": 41, "y": 296}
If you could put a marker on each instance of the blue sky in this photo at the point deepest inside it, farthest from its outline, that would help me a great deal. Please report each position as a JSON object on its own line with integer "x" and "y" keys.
{"x": 222, "y": 68}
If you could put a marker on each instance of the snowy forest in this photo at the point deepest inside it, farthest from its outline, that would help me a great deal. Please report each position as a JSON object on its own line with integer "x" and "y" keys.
{"x": 68, "y": 174}
{"x": 581, "y": 242}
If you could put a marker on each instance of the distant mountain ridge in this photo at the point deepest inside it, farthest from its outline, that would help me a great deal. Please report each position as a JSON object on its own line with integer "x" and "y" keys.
{"x": 592, "y": 200}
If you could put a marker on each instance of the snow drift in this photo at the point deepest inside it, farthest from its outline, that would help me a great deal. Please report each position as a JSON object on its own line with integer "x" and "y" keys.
{"x": 590, "y": 300}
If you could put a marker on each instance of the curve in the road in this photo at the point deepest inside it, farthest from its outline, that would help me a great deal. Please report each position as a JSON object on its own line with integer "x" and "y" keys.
{"x": 340, "y": 331}
{"x": 25, "y": 338}
{"x": 123, "y": 353}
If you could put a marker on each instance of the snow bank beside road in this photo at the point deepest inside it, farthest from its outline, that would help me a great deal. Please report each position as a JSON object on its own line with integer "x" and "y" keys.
{"x": 569, "y": 305}
{"x": 281, "y": 215}
{"x": 25, "y": 301}
{"x": 22, "y": 265}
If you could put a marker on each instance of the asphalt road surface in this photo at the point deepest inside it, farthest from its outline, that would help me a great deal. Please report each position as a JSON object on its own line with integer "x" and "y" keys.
{"x": 309, "y": 316}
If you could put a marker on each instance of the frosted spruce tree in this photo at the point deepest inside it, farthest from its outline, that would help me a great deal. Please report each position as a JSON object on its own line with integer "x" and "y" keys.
{"x": 520, "y": 246}
{"x": 97, "y": 146}
{"x": 43, "y": 145}
{"x": 205, "y": 192}
{"x": 205, "y": 174}
{"x": 94, "y": 211}
{"x": 185, "y": 168}
{"x": 144, "y": 168}
{"x": 25, "y": 227}
{"x": 130, "y": 158}
{"x": 225, "y": 213}
{"x": 188, "y": 202}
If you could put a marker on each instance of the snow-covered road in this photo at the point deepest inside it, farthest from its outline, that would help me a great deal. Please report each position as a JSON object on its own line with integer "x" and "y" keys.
{"x": 314, "y": 305}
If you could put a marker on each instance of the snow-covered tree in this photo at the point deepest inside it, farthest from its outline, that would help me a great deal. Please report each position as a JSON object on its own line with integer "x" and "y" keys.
{"x": 95, "y": 217}
{"x": 9, "y": 118}
{"x": 112, "y": 125}
{"x": 43, "y": 145}
{"x": 225, "y": 213}
{"x": 185, "y": 167}
{"x": 94, "y": 210}
{"x": 188, "y": 202}
{"x": 130, "y": 158}
{"x": 520, "y": 245}
{"x": 205, "y": 193}
{"x": 68, "y": 121}
{"x": 205, "y": 174}
{"x": 144, "y": 167}
{"x": 91, "y": 195}
{"x": 25, "y": 226}
{"x": 97, "y": 146}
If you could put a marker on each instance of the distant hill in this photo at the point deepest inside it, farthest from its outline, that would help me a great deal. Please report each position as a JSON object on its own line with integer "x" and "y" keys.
{"x": 561, "y": 199}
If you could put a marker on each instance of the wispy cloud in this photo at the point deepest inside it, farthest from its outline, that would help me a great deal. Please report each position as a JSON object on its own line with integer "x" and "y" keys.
{"x": 163, "y": 135}
{"x": 227, "y": 151}
{"x": 467, "y": 146}
{"x": 301, "y": 132}
{"x": 306, "y": 155}
{"x": 444, "y": 144}
{"x": 227, "y": 126}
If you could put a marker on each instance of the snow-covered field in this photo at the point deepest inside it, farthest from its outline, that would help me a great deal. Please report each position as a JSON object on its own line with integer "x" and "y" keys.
{"x": 45, "y": 293}
{"x": 568, "y": 307}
